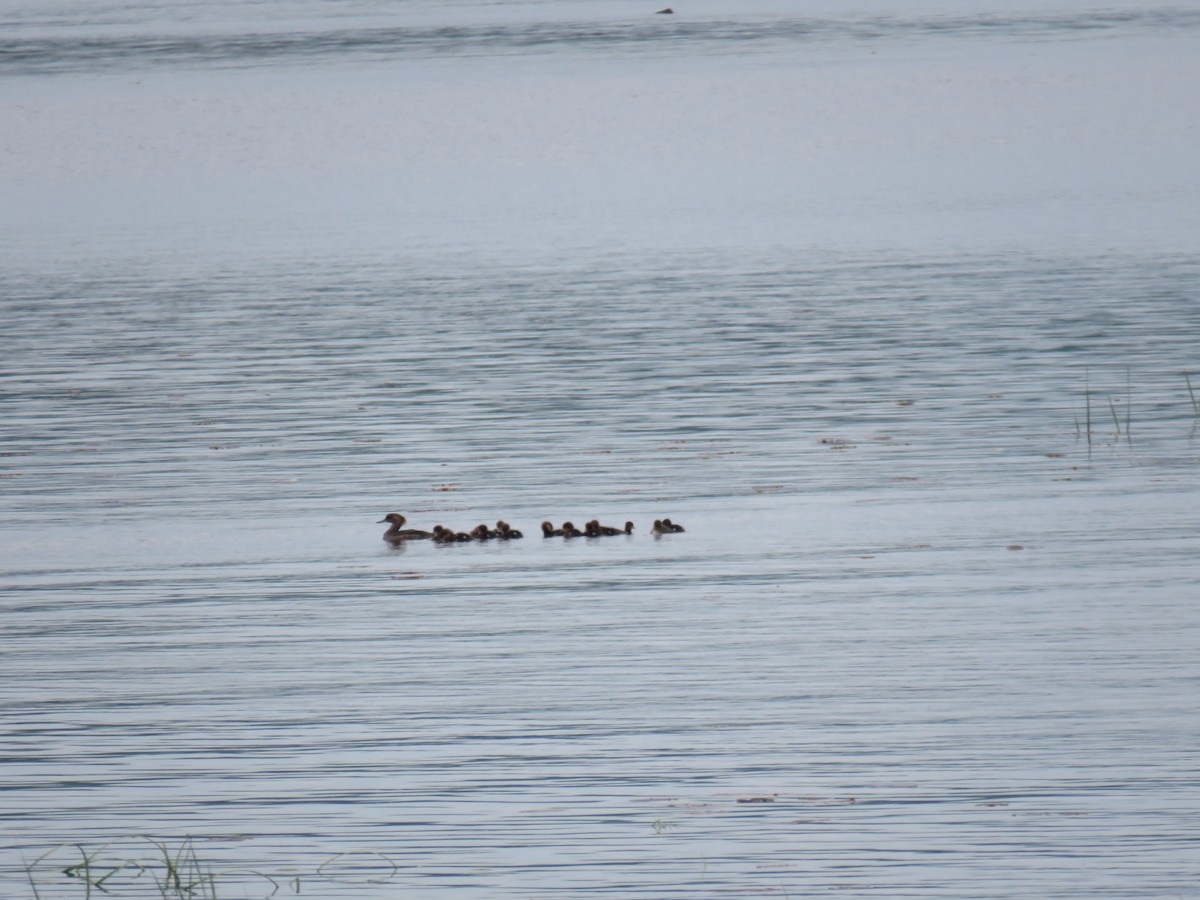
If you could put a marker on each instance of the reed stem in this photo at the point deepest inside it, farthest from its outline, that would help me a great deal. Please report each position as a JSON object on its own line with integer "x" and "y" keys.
{"x": 1087, "y": 400}
{"x": 1128, "y": 405}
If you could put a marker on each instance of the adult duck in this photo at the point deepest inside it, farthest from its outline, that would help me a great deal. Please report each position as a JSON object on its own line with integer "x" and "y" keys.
{"x": 398, "y": 534}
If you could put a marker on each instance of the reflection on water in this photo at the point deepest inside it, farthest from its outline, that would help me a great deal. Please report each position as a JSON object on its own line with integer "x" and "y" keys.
{"x": 921, "y": 638}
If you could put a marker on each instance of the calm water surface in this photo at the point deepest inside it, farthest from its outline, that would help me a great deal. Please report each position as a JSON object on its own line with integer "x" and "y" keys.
{"x": 924, "y": 635}
{"x": 205, "y": 635}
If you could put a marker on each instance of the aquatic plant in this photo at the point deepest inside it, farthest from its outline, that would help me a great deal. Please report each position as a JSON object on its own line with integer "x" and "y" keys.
{"x": 1087, "y": 400}
{"x": 118, "y": 869}
{"x": 177, "y": 872}
{"x": 1127, "y": 428}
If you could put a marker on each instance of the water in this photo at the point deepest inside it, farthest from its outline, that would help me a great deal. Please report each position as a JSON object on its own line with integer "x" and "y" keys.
{"x": 841, "y": 292}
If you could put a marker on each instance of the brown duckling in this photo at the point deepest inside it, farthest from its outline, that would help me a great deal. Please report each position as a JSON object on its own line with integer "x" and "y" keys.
{"x": 548, "y": 530}
{"x": 443, "y": 535}
{"x": 397, "y": 533}
{"x": 570, "y": 531}
{"x": 659, "y": 528}
{"x": 506, "y": 532}
{"x": 595, "y": 529}
{"x": 672, "y": 527}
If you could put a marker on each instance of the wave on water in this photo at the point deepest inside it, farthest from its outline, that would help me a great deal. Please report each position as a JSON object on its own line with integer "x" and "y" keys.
{"x": 71, "y": 51}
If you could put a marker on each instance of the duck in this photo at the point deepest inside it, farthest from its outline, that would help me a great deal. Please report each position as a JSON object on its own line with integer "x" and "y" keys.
{"x": 506, "y": 532}
{"x": 482, "y": 533}
{"x": 398, "y": 534}
{"x": 443, "y": 535}
{"x": 672, "y": 527}
{"x": 595, "y": 529}
{"x": 570, "y": 531}
{"x": 548, "y": 530}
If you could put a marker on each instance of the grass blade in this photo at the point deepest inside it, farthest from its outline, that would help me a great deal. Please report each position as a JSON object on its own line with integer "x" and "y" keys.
{"x": 1087, "y": 400}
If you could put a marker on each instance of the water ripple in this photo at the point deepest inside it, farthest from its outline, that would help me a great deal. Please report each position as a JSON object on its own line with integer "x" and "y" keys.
{"x": 54, "y": 48}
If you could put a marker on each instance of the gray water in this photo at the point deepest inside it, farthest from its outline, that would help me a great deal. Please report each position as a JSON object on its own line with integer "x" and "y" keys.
{"x": 895, "y": 311}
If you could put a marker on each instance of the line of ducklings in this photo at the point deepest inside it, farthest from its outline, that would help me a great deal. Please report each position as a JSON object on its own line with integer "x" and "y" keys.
{"x": 398, "y": 534}
{"x": 591, "y": 529}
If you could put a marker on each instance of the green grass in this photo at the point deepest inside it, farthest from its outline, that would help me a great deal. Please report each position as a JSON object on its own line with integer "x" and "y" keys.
{"x": 176, "y": 871}
{"x": 171, "y": 870}
{"x": 1125, "y": 427}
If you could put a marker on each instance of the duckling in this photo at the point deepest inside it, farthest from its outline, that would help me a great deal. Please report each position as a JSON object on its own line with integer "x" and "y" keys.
{"x": 482, "y": 533}
{"x": 444, "y": 535}
{"x": 672, "y": 527}
{"x": 595, "y": 529}
{"x": 660, "y": 528}
{"x": 506, "y": 532}
{"x": 548, "y": 530}
{"x": 570, "y": 531}
{"x": 397, "y": 533}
